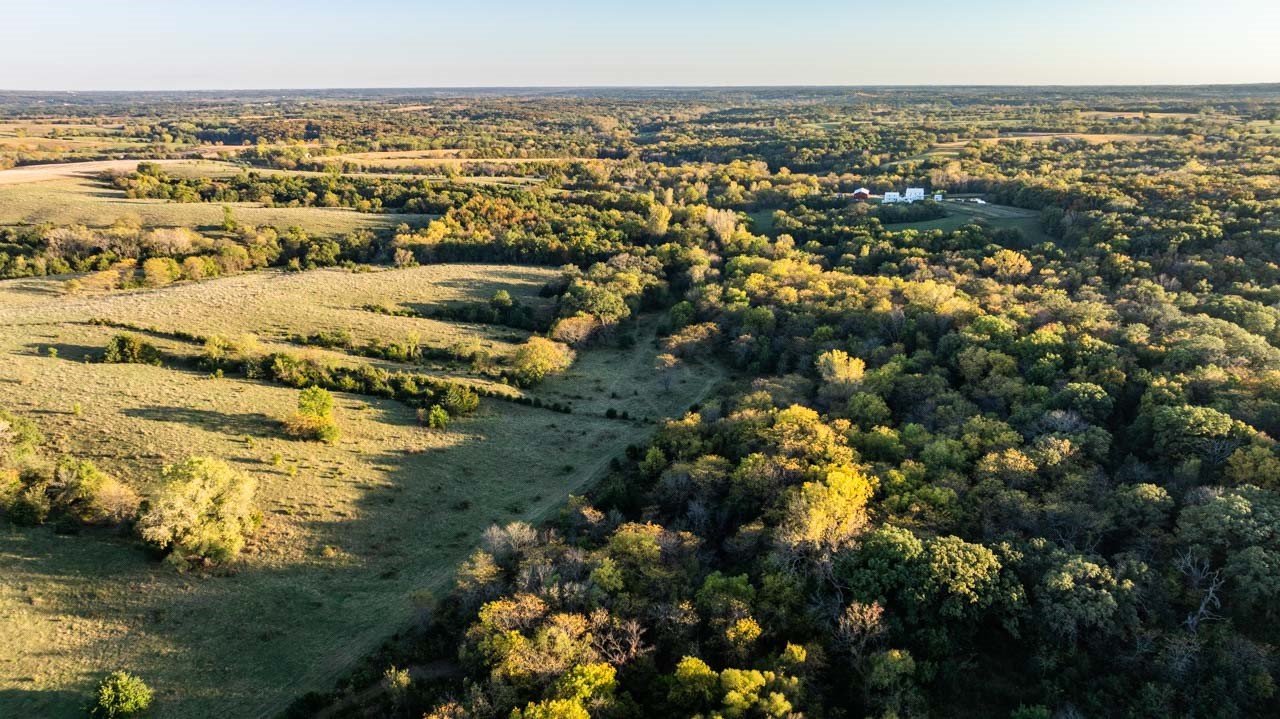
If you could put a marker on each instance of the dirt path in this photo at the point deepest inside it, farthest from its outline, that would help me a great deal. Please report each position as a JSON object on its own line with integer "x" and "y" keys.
{"x": 39, "y": 173}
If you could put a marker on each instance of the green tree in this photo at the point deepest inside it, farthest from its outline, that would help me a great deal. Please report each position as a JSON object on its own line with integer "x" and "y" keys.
{"x": 203, "y": 511}
{"x": 540, "y": 357}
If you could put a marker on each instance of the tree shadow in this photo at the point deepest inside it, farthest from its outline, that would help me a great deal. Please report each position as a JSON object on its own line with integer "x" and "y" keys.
{"x": 41, "y": 702}
{"x": 67, "y": 351}
{"x": 252, "y": 424}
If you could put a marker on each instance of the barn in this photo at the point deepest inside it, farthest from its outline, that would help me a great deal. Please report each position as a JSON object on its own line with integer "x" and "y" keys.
{"x": 862, "y": 193}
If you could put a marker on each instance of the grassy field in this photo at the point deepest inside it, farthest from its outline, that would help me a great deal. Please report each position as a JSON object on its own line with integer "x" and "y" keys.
{"x": 321, "y": 300}
{"x": 1266, "y": 127}
{"x": 63, "y": 195}
{"x": 445, "y": 157}
{"x": 352, "y": 530}
{"x": 943, "y": 150}
{"x": 960, "y": 214}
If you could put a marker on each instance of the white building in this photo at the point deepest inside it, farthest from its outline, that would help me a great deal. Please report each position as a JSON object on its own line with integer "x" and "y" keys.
{"x": 937, "y": 198}
{"x": 914, "y": 194}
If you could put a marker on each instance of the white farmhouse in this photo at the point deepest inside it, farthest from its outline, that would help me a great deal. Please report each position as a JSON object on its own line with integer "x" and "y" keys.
{"x": 914, "y": 194}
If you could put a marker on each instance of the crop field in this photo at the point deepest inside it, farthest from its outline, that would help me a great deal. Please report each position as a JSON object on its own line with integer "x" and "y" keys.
{"x": 63, "y": 194}
{"x": 352, "y": 531}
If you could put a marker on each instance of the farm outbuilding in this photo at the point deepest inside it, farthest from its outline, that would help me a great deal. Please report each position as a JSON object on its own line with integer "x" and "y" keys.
{"x": 862, "y": 193}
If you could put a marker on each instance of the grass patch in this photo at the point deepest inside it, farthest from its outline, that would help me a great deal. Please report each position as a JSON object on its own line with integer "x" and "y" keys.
{"x": 351, "y": 530}
{"x": 64, "y": 195}
{"x": 960, "y": 214}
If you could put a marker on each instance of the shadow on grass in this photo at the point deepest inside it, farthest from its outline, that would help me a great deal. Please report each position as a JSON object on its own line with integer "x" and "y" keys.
{"x": 254, "y": 424}
{"x": 43, "y": 703}
{"x": 248, "y": 640}
{"x": 72, "y": 352}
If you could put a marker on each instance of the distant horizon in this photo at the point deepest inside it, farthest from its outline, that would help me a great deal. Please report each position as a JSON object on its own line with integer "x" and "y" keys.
{"x": 150, "y": 45}
{"x": 745, "y": 86}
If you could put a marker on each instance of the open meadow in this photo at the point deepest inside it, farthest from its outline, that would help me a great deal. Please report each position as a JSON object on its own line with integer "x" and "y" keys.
{"x": 353, "y": 532}
{"x": 70, "y": 193}
{"x": 961, "y": 213}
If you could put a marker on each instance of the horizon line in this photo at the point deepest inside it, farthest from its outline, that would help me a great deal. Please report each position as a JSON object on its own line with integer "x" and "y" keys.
{"x": 890, "y": 86}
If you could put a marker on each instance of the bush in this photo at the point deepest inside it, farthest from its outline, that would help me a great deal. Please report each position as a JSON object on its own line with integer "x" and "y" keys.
{"x": 90, "y": 495}
{"x": 316, "y": 402}
{"x": 461, "y": 400}
{"x": 19, "y": 438}
{"x": 310, "y": 427}
{"x": 121, "y": 695}
{"x": 434, "y": 418}
{"x": 31, "y": 506}
{"x": 540, "y": 357}
{"x": 160, "y": 271}
{"x": 314, "y": 418}
{"x": 203, "y": 511}
{"x": 128, "y": 348}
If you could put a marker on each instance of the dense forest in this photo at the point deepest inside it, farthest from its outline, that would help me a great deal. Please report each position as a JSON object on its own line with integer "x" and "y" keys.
{"x": 960, "y": 470}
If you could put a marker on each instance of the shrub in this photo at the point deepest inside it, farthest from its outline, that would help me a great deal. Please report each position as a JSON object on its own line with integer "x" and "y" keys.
{"x": 30, "y": 506}
{"x": 460, "y": 400}
{"x": 540, "y": 357}
{"x": 121, "y": 695}
{"x": 160, "y": 271}
{"x": 10, "y": 487}
{"x": 314, "y": 418}
{"x": 316, "y": 402}
{"x": 310, "y": 427}
{"x": 204, "y": 510}
{"x": 19, "y": 438}
{"x": 435, "y": 418}
{"x": 128, "y": 348}
{"x": 90, "y": 495}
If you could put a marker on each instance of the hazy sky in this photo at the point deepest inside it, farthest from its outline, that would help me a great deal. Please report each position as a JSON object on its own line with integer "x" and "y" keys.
{"x": 187, "y": 44}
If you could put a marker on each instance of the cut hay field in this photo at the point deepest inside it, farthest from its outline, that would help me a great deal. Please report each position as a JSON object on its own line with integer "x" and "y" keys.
{"x": 68, "y": 194}
{"x": 352, "y": 531}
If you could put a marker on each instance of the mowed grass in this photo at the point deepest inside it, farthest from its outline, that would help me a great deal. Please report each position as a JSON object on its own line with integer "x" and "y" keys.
{"x": 87, "y": 201}
{"x": 352, "y": 531}
{"x": 960, "y": 214}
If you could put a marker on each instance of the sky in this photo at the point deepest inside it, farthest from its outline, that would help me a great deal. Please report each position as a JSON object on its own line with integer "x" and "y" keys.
{"x": 250, "y": 44}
